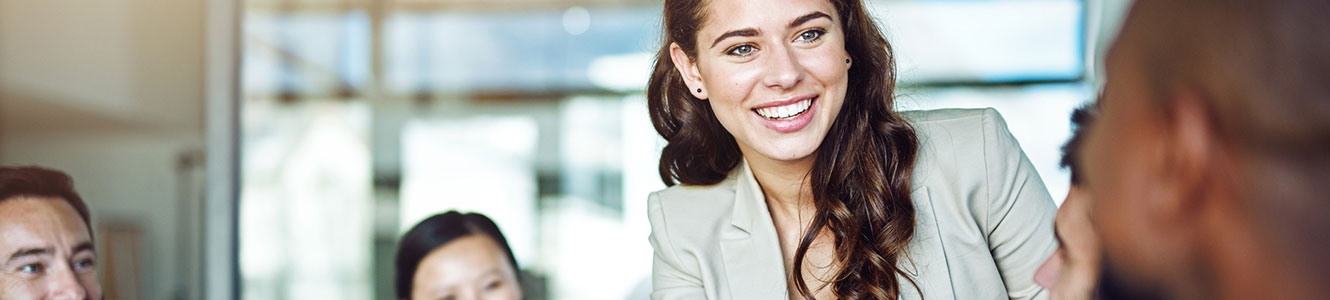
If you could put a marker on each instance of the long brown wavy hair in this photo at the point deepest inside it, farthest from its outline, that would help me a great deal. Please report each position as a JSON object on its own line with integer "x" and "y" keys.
{"x": 861, "y": 174}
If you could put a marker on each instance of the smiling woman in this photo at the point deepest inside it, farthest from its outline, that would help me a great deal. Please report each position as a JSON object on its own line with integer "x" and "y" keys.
{"x": 784, "y": 149}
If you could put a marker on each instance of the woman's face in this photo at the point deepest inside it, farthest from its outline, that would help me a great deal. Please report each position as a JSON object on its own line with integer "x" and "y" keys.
{"x": 470, "y": 267}
{"x": 774, "y": 73}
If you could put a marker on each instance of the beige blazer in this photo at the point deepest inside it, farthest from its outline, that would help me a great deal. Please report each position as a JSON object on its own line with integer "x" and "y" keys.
{"x": 985, "y": 222}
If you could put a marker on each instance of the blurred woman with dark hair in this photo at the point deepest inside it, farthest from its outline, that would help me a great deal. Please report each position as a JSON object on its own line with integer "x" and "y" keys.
{"x": 456, "y": 256}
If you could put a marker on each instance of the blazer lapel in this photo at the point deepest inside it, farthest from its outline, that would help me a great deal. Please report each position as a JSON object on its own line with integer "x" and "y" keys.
{"x": 927, "y": 262}
{"x": 754, "y": 268}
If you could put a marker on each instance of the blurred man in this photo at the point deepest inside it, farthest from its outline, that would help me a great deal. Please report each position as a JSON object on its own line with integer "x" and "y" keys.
{"x": 1208, "y": 162}
{"x": 1072, "y": 271}
{"x": 46, "y": 246}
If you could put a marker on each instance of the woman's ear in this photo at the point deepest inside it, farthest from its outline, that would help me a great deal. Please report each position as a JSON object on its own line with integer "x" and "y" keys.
{"x": 687, "y": 68}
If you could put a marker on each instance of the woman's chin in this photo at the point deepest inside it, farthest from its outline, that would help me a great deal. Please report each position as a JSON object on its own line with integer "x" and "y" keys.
{"x": 792, "y": 151}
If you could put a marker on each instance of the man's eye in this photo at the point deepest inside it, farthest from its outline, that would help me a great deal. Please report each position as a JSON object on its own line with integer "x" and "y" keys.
{"x": 84, "y": 264}
{"x": 811, "y": 35}
{"x": 31, "y": 268}
{"x": 742, "y": 50}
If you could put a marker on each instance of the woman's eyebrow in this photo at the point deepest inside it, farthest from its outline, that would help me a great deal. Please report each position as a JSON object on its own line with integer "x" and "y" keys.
{"x": 751, "y": 32}
{"x": 808, "y": 17}
{"x": 747, "y": 32}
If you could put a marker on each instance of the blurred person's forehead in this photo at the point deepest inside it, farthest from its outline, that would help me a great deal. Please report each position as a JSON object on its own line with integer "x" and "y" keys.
{"x": 1139, "y": 23}
{"x": 39, "y": 222}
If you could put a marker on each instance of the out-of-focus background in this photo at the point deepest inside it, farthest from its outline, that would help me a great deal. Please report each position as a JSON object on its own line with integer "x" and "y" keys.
{"x": 277, "y": 149}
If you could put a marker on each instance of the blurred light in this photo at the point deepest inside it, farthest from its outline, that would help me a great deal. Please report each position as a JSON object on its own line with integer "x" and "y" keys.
{"x": 623, "y": 73}
{"x": 305, "y": 217}
{"x": 576, "y": 20}
{"x": 479, "y": 164}
{"x": 984, "y": 41}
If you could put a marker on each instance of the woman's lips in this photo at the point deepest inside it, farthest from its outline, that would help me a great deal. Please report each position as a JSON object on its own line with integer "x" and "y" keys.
{"x": 790, "y": 117}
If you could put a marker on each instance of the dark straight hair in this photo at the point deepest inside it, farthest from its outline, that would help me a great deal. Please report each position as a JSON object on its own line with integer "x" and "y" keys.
{"x": 861, "y": 173}
{"x": 16, "y": 182}
{"x": 439, "y": 230}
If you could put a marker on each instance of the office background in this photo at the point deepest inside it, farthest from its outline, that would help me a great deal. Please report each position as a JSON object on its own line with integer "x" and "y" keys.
{"x": 276, "y": 149}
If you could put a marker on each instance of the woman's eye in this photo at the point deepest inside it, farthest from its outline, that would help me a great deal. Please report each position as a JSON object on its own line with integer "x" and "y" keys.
{"x": 493, "y": 285}
{"x": 31, "y": 268}
{"x": 811, "y": 35}
{"x": 742, "y": 50}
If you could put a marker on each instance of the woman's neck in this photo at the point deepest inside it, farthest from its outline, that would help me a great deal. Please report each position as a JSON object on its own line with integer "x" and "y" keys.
{"x": 785, "y": 183}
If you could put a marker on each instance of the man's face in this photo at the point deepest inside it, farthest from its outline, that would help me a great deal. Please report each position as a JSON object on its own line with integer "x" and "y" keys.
{"x": 45, "y": 251}
{"x": 1125, "y": 157}
{"x": 1072, "y": 271}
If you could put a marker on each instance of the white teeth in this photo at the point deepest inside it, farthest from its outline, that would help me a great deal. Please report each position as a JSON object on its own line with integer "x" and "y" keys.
{"x": 785, "y": 112}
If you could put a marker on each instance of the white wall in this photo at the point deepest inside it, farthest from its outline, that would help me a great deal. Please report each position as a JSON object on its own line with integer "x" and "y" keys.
{"x": 1104, "y": 21}
{"x": 112, "y": 93}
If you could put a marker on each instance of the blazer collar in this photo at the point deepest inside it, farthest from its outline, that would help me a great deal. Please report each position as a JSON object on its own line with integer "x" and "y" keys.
{"x": 750, "y": 204}
{"x": 754, "y": 266}
{"x": 756, "y": 270}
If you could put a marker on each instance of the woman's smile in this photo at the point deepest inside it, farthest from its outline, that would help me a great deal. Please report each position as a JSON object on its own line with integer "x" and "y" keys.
{"x": 787, "y": 115}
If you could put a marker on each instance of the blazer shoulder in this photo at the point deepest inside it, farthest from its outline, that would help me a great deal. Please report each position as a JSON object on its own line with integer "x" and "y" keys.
{"x": 956, "y": 148}
{"x": 691, "y": 212}
{"x": 688, "y": 193}
{"x": 947, "y": 132}
{"x": 950, "y": 134}
{"x": 927, "y": 120}
{"x": 694, "y": 197}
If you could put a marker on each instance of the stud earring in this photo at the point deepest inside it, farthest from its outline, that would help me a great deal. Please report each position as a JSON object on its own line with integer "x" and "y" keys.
{"x": 847, "y": 60}
{"x": 699, "y": 90}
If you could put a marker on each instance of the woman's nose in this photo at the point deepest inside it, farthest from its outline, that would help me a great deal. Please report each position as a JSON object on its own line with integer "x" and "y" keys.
{"x": 783, "y": 69}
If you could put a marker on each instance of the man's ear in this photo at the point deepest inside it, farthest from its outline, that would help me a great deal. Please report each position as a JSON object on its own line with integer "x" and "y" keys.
{"x": 687, "y": 68}
{"x": 1192, "y": 150}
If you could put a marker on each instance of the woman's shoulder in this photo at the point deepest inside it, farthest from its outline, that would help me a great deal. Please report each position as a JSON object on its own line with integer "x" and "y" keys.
{"x": 693, "y": 197}
{"x": 956, "y": 133}
{"x": 928, "y": 121}
{"x": 964, "y": 149}
{"x": 984, "y": 193}
{"x": 685, "y": 209}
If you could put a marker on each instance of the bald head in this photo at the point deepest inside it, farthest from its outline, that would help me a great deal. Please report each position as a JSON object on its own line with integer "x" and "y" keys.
{"x": 1244, "y": 83}
{"x": 1262, "y": 65}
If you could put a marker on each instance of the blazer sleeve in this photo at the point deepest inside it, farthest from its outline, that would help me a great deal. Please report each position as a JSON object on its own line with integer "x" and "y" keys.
{"x": 669, "y": 279}
{"x": 1019, "y": 216}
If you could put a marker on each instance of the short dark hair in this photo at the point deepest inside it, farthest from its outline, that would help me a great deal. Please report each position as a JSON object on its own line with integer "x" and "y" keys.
{"x": 1080, "y": 119}
{"x": 436, "y": 231}
{"x": 32, "y": 181}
